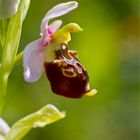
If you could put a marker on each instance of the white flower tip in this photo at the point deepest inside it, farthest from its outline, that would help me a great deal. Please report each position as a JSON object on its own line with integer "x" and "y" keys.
{"x": 4, "y": 128}
{"x": 73, "y": 3}
{"x": 61, "y": 9}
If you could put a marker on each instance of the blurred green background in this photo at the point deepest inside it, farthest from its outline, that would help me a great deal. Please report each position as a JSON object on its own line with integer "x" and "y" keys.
{"x": 108, "y": 49}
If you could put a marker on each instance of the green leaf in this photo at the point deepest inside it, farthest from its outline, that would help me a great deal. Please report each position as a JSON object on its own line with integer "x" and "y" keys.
{"x": 13, "y": 37}
{"x": 46, "y": 115}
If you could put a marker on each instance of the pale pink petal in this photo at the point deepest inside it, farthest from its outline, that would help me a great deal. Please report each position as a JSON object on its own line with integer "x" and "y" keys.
{"x": 57, "y": 11}
{"x": 33, "y": 59}
{"x": 55, "y": 26}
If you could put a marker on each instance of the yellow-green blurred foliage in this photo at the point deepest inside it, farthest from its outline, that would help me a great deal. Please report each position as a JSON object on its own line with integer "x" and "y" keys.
{"x": 108, "y": 49}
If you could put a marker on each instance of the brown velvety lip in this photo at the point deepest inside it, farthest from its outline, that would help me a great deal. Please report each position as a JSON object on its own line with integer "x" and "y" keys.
{"x": 66, "y": 75}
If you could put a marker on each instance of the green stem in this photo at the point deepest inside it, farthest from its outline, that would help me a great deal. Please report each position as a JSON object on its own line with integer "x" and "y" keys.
{"x": 3, "y": 30}
{"x": 3, "y": 76}
{"x": 4, "y": 81}
{"x": 18, "y": 57}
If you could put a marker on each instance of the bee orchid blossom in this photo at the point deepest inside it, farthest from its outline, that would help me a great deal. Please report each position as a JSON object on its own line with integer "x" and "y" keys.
{"x": 66, "y": 75}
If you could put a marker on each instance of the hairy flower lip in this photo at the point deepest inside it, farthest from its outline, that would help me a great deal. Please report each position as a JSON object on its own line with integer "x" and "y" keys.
{"x": 73, "y": 87}
{"x": 67, "y": 76}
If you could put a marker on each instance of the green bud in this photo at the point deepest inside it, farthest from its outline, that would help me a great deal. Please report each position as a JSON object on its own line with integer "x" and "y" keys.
{"x": 8, "y": 8}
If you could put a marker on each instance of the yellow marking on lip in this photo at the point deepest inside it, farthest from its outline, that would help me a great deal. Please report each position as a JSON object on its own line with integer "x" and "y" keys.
{"x": 68, "y": 73}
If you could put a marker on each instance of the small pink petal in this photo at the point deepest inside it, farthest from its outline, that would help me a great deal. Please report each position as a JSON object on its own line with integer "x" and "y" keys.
{"x": 55, "y": 26}
{"x": 49, "y": 31}
{"x": 57, "y": 11}
{"x": 33, "y": 59}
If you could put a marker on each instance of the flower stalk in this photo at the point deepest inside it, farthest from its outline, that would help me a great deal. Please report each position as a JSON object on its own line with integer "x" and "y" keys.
{"x": 3, "y": 29}
{"x": 10, "y": 38}
{"x": 4, "y": 81}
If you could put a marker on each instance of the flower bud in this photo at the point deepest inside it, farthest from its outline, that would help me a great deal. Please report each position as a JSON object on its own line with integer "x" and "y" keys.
{"x": 8, "y": 8}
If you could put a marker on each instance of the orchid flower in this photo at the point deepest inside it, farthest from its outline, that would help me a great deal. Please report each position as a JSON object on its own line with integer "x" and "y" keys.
{"x": 66, "y": 75}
